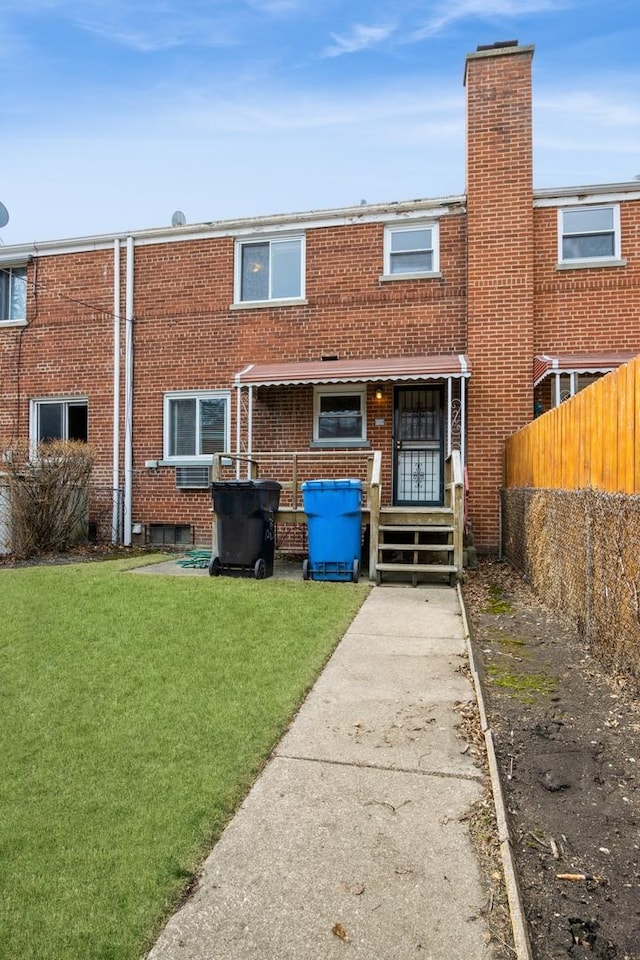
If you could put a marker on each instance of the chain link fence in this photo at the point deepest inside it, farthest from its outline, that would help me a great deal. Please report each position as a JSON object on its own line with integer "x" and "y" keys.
{"x": 580, "y": 551}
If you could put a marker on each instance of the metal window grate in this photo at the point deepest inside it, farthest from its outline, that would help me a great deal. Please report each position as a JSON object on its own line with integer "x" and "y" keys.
{"x": 170, "y": 534}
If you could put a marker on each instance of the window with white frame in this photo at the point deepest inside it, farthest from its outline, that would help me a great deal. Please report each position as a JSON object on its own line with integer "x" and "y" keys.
{"x": 269, "y": 269}
{"x": 59, "y": 420}
{"x": 339, "y": 415}
{"x": 196, "y": 425}
{"x": 410, "y": 250}
{"x": 589, "y": 233}
{"x": 13, "y": 294}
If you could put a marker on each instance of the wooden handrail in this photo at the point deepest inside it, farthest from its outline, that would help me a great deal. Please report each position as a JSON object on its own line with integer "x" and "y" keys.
{"x": 456, "y": 487}
{"x": 374, "y": 494}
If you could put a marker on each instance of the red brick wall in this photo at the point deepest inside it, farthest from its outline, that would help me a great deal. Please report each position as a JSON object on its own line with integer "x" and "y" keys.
{"x": 187, "y": 337}
{"x": 499, "y": 269}
{"x": 500, "y": 299}
{"x": 66, "y": 348}
{"x": 587, "y": 309}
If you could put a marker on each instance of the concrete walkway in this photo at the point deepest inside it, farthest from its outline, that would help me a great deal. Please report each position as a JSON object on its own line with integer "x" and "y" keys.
{"x": 351, "y": 842}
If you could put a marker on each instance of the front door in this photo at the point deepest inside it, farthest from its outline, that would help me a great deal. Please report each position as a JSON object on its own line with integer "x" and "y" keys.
{"x": 418, "y": 462}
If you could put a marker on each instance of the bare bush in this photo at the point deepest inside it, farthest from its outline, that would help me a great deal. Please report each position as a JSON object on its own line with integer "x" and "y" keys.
{"x": 48, "y": 493}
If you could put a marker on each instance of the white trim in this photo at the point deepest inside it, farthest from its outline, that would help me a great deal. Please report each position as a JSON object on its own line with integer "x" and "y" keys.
{"x": 261, "y": 304}
{"x": 36, "y": 402}
{"x": 427, "y": 275}
{"x": 391, "y": 229}
{"x": 200, "y": 458}
{"x": 453, "y": 205}
{"x": 248, "y": 240}
{"x": 364, "y": 378}
{"x": 322, "y": 390}
{"x": 568, "y": 262}
{"x": 306, "y": 220}
{"x": 590, "y": 264}
{"x": 597, "y": 193}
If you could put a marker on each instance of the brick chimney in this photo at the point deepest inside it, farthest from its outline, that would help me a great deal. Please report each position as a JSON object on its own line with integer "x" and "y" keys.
{"x": 499, "y": 269}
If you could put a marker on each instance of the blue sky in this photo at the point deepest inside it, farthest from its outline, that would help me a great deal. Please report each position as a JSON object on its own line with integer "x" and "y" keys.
{"x": 115, "y": 113}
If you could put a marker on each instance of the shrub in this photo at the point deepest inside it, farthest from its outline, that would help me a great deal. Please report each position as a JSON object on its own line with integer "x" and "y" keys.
{"x": 48, "y": 493}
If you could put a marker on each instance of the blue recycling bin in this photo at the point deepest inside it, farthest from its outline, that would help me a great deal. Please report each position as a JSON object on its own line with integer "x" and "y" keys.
{"x": 334, "y": 526}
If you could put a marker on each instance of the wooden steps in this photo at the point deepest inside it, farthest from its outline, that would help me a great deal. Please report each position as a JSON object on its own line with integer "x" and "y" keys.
{"x": 416, "y": 545}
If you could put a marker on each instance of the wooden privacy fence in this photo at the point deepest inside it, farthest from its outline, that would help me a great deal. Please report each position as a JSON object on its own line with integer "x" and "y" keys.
{"x": 590, "y": 441}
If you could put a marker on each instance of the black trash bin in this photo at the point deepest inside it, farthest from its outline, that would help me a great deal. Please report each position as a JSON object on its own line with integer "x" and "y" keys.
{"x": 245, "y": 525}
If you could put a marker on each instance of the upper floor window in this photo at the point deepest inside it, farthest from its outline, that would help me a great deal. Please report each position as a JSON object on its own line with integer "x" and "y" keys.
{"x": 411, "y": 250}
{"x": 196, "y": 425}
{"x": 589, "y": 233}
{"x": 269, "y": 269}
{"x": 13, "y": 294}
{"x": 59, "y": 420}
{"x": 339, "y": 415}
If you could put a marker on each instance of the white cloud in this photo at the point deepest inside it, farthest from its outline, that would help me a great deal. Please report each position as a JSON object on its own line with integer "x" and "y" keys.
{"x": 449, "y": 13}
{"x": 360, "y": 38}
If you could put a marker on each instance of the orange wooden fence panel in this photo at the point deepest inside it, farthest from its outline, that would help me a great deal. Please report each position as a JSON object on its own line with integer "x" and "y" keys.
{"x": 591, "y": 440}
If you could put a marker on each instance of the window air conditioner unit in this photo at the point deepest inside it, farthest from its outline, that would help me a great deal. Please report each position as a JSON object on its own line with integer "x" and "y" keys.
{"x": 193, "y": 478}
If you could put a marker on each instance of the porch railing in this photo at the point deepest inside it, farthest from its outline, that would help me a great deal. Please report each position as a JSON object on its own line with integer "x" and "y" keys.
{"x": 292, "y": 469}
{"x": 454, "y": 481}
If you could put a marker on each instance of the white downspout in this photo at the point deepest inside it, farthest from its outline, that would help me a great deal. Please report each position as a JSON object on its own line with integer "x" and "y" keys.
{"x": 128, "y": 398}
{"x": 449, "y": 417}
{"x": 115, "y": 513}
{"x": 238, "y": 429}
{"x": 250, "y": 432}
{"x": 463, "y": 421}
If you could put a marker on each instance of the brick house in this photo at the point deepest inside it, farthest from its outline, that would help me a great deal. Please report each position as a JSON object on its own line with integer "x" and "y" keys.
{"x": 399, "y": 342}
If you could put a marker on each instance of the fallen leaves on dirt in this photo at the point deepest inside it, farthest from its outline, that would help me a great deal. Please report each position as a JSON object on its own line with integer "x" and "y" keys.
{"x": 567, "y": 740}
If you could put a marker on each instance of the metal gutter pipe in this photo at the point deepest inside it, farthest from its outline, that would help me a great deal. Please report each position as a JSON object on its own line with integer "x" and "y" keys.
{"x": 128, "y": 395}
{"x": 115, "y": 513}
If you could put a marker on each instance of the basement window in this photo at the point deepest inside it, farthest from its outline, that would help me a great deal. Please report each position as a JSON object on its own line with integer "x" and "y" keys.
{"x": 589, "y": 236}
{"x": 169, "y": 534}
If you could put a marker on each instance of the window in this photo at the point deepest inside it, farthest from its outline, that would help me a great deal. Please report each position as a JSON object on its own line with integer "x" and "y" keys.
{"x": 196, "y": 425}
{"x": 589, "y": 233}
{"x": 411, "y": 250}
{"x": 269, "y": 270}
{"x": 339, "y": 416}
{"x": 13, "y": 294}
{"x": 59, "y": 420}
{"x": 170, "y": 534}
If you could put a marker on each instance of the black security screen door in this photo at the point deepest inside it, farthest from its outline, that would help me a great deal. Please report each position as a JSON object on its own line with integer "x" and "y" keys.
{"x": 418, "y": 447}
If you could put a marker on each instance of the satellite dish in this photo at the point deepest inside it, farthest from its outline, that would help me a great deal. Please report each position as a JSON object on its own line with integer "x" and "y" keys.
{"x": 4, "y": 215}
{"x": 178, "y": 219}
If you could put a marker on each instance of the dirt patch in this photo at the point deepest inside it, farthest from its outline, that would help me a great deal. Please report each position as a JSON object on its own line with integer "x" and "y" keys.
{"x": 81, "y": 554}
{"x": 567, "y": 739}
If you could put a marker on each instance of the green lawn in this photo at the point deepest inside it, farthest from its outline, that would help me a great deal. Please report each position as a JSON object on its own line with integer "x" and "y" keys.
{"x": 135, "y": 711}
